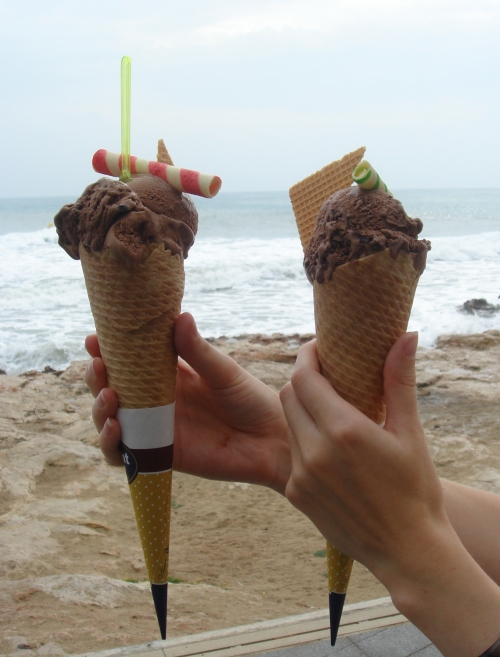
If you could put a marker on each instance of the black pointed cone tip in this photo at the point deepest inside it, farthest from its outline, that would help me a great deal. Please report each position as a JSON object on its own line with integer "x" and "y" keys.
{"x": 336, "y": 604}
{"x": 159, "y": 592}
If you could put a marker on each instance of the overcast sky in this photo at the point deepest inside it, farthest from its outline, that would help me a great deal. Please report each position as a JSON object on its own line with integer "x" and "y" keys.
{"x": 259, "y": 92}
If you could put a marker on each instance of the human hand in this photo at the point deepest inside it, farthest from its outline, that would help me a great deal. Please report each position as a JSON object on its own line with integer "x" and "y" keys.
{"x": 228, "y": 424}
{"x": 375, "y": 495}
{"x": 368, "y": 489}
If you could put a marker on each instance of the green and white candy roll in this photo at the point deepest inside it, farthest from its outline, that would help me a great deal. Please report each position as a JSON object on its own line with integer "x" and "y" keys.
{"x": 367, "y": 178}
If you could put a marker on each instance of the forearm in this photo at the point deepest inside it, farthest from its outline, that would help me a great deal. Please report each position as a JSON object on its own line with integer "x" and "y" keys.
{"x": 444, "y": 592}
{"x": 475, "y": 516}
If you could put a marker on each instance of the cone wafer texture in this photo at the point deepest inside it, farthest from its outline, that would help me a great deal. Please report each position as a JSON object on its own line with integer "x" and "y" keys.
{"x": 308, "y": 196}
{"x": 134, "y": 312}
{"x": 359, "y": 314}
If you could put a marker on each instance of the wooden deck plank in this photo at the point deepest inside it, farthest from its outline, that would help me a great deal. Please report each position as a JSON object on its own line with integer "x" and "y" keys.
{"x": 289, "y": 631}
{"x": 268, "y": 635}
{"x": 351, "y": 615}
{"x": 287, "y": 628}
{"x": 278, "y": 643}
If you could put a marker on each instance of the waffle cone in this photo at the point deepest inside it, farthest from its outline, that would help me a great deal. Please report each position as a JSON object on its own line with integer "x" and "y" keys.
{"x": 308, "y": 195}
{"x": 359, "y": 315}
{"x": 134, "y": 313}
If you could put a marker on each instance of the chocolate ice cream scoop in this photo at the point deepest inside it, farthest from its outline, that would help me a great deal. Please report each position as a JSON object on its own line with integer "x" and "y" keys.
{"x": 354, "y": 223}
{"x": 128, "y": 219}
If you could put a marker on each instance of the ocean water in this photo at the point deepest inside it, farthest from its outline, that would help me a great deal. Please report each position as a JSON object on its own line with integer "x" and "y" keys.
{"x": 243, "y": 275}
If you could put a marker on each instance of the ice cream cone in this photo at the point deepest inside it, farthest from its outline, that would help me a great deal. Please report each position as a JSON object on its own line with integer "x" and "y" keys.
{"x": 360, "y": 311}
{"x": 308, "y": 195}
{"x": 359, "y": 315}
{"x": 134, "y": 313}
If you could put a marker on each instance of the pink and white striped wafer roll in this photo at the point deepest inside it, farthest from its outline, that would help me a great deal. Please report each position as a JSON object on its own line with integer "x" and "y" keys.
{"x": 184, "y": 180}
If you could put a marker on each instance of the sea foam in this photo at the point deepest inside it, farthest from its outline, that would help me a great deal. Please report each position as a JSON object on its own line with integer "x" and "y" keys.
{"x": 233, "y": 286}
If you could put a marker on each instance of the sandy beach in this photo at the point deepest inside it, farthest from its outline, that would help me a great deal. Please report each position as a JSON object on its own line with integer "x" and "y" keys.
{"x": 71, "y": 570}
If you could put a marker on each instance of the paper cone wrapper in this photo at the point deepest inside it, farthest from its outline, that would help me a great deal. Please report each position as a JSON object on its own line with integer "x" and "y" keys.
{"x": 134, "y": 313}
{"x": 308, "y": 195}
{"x": 359, "y": 315}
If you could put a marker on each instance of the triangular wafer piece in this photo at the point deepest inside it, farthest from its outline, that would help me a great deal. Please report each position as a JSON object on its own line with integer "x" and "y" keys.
{"x": 163, "y": 155}
{"x": 308, "y": 195}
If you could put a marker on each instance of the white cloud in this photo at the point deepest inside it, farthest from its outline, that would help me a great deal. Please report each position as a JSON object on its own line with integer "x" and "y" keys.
{"x": 332, "y": 17}
{"x": 248, "y": 89}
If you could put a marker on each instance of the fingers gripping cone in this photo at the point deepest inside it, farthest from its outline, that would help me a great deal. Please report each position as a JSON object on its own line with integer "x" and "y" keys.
{"x": 359, "y": 314}
{"x": 134, "y": 313}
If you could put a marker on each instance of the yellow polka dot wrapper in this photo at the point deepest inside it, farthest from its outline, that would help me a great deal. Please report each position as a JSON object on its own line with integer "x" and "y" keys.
{"x": 339, "y": 570}
{"x": 147, "y": 448}
{"x": 151, "y": 495}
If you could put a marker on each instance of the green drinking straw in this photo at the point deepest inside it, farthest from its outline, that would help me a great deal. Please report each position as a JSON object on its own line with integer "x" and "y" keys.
{"x": 125, "y": 98}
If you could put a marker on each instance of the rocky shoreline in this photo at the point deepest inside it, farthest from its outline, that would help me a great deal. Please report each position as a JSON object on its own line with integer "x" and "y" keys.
{"x": 72, "y": 578}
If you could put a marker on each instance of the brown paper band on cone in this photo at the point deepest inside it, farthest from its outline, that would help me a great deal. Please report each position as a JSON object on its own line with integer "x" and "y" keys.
{"x": 147, "y": 441}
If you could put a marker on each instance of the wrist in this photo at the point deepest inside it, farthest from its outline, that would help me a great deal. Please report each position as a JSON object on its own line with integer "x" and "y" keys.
{"x": 443, "y": 591}
{"x": 417, "y": 565}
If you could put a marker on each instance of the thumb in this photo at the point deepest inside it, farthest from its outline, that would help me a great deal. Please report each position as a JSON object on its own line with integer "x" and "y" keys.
{"x": 216, "y": 369}
{"x": 400, "y": 384}
{"x": 185, "y": 334}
